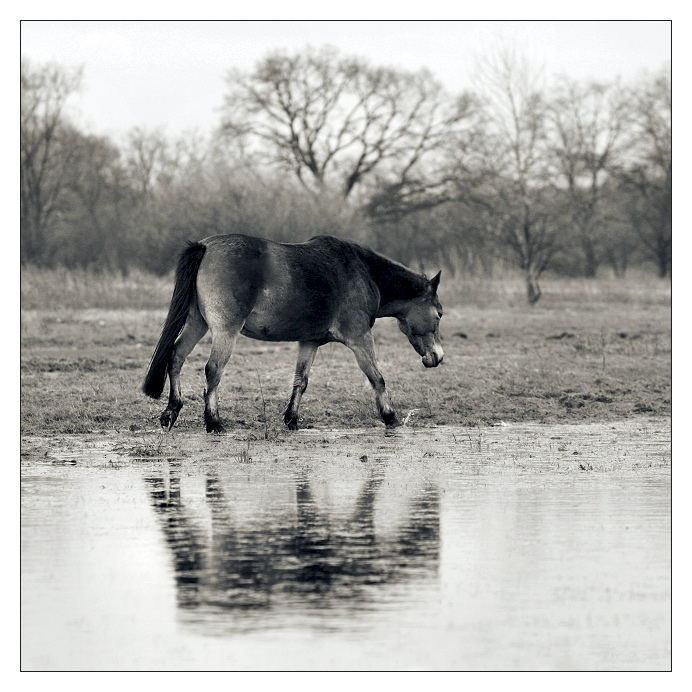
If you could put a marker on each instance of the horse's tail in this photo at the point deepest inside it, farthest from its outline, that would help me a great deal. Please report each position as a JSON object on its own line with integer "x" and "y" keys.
{"x": 183, "y": 295}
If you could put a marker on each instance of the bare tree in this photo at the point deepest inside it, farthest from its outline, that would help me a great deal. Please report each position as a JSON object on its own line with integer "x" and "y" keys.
{"x": 649, "y": 178}
{"x": 517, "y": 171}
{"x": 154, "y": 161}
{"x": 43, "y": 158}
{"x": 337, "y": 121}
{"x": 588, "y": 126}
{"x": 100, "y": 201}
{"x": 147, "y": 157}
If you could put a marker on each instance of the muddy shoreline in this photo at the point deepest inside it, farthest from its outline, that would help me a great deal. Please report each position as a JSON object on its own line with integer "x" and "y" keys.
{"x": 615, "y": 446}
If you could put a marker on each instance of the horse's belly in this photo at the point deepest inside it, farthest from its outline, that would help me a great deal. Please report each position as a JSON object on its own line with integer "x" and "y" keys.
{"x": 284, "y": 326}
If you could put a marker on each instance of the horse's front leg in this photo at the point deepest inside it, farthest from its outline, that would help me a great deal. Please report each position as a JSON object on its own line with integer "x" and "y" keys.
{"x": 364, "y": 350}
{"x": 307, "y": 350}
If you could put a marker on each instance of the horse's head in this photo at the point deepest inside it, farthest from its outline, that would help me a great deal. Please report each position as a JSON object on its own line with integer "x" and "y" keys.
{"x": 420, "y": 321}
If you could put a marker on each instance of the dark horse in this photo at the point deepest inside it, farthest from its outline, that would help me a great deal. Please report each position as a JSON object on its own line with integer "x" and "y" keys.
{"x": 314, "y": 293}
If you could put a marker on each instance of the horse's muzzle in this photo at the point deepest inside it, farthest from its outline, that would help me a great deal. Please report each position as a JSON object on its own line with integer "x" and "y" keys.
{"x": 433, "y": 359}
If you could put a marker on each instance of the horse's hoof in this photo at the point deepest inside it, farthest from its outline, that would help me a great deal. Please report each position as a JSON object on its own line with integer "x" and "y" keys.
{"x": 215, "y": 426}
{"x": 291, "y": 420}
{"x": 391, "y": 421}
{"x": 167, "y": 419}
{"x": 213, "y": 423}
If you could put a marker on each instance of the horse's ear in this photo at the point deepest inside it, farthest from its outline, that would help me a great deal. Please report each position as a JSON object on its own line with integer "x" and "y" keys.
{"x": 435, "y": 282}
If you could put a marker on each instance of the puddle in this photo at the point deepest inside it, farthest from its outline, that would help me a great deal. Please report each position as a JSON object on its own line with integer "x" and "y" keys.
{"x": 517, "y": 547}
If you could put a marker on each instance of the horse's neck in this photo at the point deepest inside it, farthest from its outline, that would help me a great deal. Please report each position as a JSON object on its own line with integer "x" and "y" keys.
{"x": 396, "y": 283}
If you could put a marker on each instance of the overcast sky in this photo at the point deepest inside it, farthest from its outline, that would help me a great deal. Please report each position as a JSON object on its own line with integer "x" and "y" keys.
{"x": 171, "y": 74}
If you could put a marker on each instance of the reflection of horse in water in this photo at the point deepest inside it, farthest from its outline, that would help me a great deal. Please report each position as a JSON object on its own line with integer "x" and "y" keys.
{"x": 306, "y": 558}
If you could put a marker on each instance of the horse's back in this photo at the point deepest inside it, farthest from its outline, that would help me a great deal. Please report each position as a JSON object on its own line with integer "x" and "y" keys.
{"x": 260, "y": 264}
{"x": 322, "y": 265}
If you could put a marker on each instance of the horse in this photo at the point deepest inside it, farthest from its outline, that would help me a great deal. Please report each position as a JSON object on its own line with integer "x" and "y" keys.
{"x": 321, "y": 291}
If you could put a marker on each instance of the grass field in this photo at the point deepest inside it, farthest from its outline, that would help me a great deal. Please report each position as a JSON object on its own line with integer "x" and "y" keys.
{"x": 589, "y": 351}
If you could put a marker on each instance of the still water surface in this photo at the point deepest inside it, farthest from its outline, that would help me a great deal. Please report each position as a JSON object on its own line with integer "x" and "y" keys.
{"x": 530, "y": 548}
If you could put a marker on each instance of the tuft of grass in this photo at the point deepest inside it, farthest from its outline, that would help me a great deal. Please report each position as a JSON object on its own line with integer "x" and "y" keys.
{"x": 147, "y": 448}
{"x": 243, "y": 455}
{"x": 409, "y": 416}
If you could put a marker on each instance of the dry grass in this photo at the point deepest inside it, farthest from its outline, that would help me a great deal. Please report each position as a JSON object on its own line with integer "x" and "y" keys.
{"x": 50, "y": 289}
{"x": 589, "y": 351}
{"x": 639, "y": 289}
{"x": 80, "y": 289}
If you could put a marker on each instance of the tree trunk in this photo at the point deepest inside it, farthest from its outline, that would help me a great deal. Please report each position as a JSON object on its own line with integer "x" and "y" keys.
{"x": 590, "y": 260}
{"x": 664, "y": 264}
{"x": 663, "y": 254}
{"x": 533, "y": 290}
{"x": 617, "y": 261}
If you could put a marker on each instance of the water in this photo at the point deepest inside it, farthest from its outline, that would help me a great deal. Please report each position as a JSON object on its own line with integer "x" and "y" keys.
{"x": 444, "y": 549}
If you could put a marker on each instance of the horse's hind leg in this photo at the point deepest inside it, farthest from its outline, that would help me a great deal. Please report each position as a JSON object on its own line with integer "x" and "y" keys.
{"x": 195, "y": 328}
{"x": 221, "y": 348}
{"x": 307, "y": 350}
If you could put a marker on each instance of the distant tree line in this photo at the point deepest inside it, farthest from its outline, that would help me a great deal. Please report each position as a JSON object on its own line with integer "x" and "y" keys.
{"x": 574, "y": 176}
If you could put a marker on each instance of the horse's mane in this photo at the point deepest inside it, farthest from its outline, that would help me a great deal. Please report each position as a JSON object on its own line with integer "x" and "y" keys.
{"x": 394, "y": 280}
